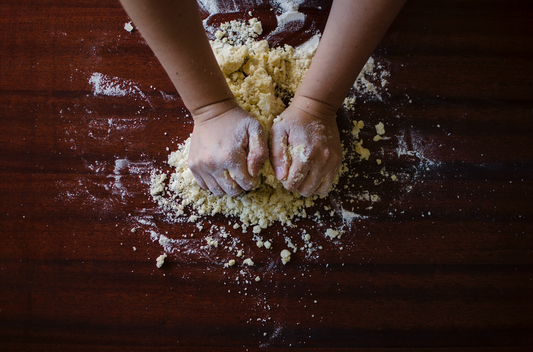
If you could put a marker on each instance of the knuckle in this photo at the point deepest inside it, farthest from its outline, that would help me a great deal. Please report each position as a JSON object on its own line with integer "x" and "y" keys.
{"x": 326, "y": 153}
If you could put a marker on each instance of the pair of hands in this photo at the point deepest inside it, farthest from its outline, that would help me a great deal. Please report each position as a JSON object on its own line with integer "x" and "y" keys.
{"x": 229, "y": 147}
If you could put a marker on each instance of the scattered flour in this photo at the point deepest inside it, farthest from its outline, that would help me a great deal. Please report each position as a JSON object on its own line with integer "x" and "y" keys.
{"x": 110, "y": 86}
{"x": 115, "y": 87}
{"x": 370, "y": 84}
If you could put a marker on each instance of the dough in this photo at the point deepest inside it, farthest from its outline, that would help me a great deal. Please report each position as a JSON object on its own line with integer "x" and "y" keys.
{"x": 261, "y": 78}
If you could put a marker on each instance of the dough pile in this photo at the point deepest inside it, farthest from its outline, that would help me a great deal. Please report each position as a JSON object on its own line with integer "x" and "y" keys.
{"x": 262, "y": 79}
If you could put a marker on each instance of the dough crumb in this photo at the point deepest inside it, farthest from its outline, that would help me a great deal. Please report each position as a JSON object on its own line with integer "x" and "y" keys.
{"x": 128, "y": 26}
{"x": 380, "y": 129}
{"x": 285, "y": 256}
{"x": 161, "y": 260}
{"x": 363, "y": 152}
{"x": 231, "y": 262}
{"x": 211, "y": 242}
{"x": 248, "y": 262}
{"x": 333, "y": 233}
{"x": 298, "y": 151}
{"x": 357, "y": 127}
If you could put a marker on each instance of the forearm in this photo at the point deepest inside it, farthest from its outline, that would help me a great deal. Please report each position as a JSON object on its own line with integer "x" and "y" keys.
{"x": 353, "y": 30}
{"x": 174, "y": 32}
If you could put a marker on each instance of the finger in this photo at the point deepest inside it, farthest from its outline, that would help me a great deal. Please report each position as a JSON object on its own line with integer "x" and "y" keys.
{"x": 300, "y": 167}
{"x": 279, "y": 154}
{"x": 297, "y": 175}
{"x": 239, "y": 175}
{"x": 199, "y": 179}
{"x": 326, "y": 183}
{"x": 257, "y": 152}
{"x": 197, "y": 174}
{"x": 328, "y": 179}
{"x": 237, "y": 172}
{"x": 213, "y": 186}
{"x": 311, "y": 183}
{"x": 227, "y": 183}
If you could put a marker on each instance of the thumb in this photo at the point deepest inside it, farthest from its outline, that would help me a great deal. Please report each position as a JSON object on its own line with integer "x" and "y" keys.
{"x": 257, "y": 151}
{"x": 279, "y": 156}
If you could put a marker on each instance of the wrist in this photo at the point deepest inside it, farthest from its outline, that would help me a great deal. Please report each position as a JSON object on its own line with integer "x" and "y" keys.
{"x": 210, "y": 111}
{"x": 314, "y": 107}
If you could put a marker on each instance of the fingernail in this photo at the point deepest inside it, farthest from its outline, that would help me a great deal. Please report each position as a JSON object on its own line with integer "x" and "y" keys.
{"x": 280, "y": 173}
{"x": 255, "y": 183}
{"x": 255, "y": 171}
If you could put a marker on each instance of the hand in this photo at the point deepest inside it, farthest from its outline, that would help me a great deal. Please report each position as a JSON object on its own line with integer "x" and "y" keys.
{"x": 228, "y": 147}
{"x": 305, "y": 147}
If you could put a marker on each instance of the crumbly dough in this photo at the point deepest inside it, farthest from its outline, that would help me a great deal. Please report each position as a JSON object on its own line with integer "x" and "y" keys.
{"x": 261, "y": 78}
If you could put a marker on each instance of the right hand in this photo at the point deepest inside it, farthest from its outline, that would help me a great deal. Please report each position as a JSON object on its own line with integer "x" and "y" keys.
{"x": 312, "y": 128}
{"x": 228, "y": 147}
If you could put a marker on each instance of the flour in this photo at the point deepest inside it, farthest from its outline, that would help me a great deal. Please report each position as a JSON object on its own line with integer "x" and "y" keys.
{"x": 104, "y": 85}
{"x": 371, "y": 83}
{"x": 110, "y": 86}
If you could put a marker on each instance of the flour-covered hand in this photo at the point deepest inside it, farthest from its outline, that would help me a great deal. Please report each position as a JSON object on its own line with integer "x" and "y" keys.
{"x": 227, "y": 150}
{"x": 305, "y": 148}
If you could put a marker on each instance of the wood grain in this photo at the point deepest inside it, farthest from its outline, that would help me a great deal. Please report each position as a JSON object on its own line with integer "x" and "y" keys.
{"x": 443, "y": 261}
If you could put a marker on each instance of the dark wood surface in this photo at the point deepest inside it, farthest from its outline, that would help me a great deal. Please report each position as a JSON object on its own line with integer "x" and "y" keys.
{"x": 444, "y": 260}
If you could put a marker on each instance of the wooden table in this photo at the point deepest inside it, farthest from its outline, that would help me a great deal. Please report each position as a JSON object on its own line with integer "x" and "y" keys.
{"x": 443, "y": 260}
